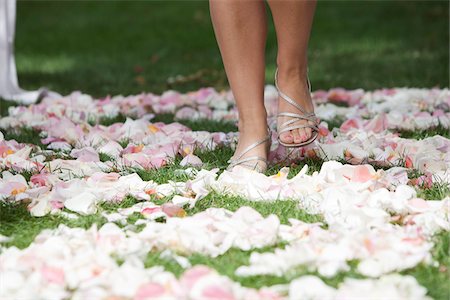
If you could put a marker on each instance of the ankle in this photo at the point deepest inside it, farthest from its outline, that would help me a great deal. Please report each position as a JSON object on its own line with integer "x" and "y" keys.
{"x": 288, "y": 78}
{"x": 252, "y": 127}
{"x": 288, "y": 72}
{"x": 253, "y": 119}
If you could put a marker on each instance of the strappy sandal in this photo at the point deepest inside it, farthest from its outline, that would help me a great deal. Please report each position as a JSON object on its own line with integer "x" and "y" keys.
{"x": 295, "y": 118}
{"x": 252, "y": 162}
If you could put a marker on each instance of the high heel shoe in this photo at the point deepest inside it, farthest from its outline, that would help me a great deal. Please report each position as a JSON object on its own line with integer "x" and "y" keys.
{"x": 252, "y": 162}
{"x": 295, "y": 118}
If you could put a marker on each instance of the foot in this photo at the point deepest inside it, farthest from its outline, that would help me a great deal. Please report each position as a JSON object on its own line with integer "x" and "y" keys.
{"x": 248, "y": 135}
{"x": 295, "y": 85}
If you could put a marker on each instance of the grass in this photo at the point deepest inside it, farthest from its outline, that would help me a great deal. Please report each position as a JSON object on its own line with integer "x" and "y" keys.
{"x": 335, "y": 123}
{"x": 24, "y": 135}
{"x": 164, "y": 174}
{"x": 198, "y": 125}
{"x": 96, "y": 47}
{"x": 426, "y": 133}
{"x": 107, "y": 121}
{"x": 121, "y": 47}
{"x": 226, "y": 264}
{"x": 285, "y": 209}
{"x": 435, "y": 278}
{"x": 105, "y": 157}
{"x": 4, "y": 107}
{"x": 438, "y": 191}
{"x": 17, "y": 223}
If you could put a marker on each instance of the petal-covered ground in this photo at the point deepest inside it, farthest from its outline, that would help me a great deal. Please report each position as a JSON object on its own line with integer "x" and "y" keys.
{"x": 128, "y": 198}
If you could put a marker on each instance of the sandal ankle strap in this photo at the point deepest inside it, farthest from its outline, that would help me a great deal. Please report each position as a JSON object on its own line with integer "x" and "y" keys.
{"x": 239, "y": 160}
{"x": 289, "y": 99}
{"x": 255, "y": 144}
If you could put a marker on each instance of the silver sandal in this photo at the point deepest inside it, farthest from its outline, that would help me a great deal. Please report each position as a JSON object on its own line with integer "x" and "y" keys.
{"x": 295, "y": 118}
{"x": 246, "y": 162}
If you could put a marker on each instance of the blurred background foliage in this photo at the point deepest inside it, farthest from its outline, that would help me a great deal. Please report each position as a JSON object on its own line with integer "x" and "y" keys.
{"x": 126, "y": 47}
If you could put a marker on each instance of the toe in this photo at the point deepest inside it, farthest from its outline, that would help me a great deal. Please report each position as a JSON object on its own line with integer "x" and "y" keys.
{"x": 297, "y": 136}
{"x": 307, "y": 134}
{"x": 302, "y": 133}
{"x": 287, "y": 137}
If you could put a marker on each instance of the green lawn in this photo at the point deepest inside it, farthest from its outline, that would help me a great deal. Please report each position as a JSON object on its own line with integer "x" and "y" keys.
{"x": 118, "y": 47}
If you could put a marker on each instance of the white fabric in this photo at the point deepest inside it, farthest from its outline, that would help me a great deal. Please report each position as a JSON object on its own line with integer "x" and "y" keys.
{"x": 9, "y": 85}
{"x": 8, "y": 73}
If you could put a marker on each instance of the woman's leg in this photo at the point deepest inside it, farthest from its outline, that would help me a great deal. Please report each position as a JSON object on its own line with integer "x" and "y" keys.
{"x": 240, "y": 27}
{"x": 293, "y": 20}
